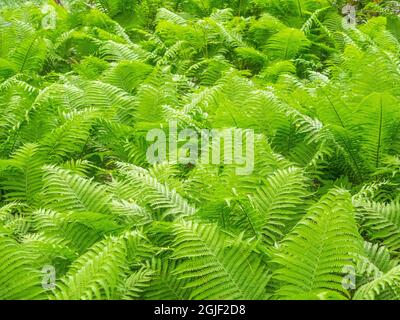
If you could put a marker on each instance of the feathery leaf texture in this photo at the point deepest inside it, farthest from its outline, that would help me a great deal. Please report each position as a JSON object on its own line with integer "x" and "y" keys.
{"x": 84, "y": 214}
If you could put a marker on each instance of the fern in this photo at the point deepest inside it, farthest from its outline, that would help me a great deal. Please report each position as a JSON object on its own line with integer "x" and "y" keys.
{"x": 317, "y": 100}
{"x": 215, "y": 270}
{"x": 311, "y": 259}
{"x": 78, "y": 193}
{"x": 379, "y": 274}
{"x": 277, "y": 202}
{"x": 96, "y": 273}
{"x": 14, "y": 262}
{"x": 25, "y": 179}
{"x": 142, "y": 185}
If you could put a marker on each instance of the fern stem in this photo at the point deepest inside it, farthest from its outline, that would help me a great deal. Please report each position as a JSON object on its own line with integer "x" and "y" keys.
{"x": 300, "y": 11}
{"x": 248, "y": 218}
{"x": 344, "y": 141}
{"x": 27, "y": 53}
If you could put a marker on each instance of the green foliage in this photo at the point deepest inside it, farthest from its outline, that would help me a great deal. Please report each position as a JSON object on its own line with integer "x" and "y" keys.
{"x": 314, "y": 254}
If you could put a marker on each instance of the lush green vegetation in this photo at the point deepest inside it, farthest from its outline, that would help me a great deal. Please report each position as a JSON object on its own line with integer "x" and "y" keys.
{"x": 81, "y": 84}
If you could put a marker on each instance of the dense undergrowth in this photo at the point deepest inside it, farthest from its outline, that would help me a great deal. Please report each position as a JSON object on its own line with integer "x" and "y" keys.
{"x": 84, "y": 216}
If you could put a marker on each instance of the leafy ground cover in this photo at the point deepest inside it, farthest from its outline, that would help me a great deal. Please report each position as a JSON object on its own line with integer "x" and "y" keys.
{"x": 84, "y": 215}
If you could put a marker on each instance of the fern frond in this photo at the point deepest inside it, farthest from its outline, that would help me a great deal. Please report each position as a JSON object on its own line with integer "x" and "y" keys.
{"x": 140, "y": 184}
{"x": 164, "y": 285}
{"x": 389, "y": 281}
{"x": 277, "y": 203}
{"x": 287, "y": 43}
{"x": 216, "y": 270}
{"x": 70, "y": 192}
{"x": 29, "y": 55}
{"x": 96, "y": 274}
{"x": 381, "y": 221}
{"x": 79, "y": 230}
{"x": 25, "y": 181}
{"x": 15, "y": 262}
